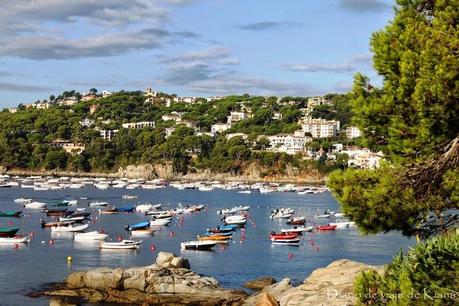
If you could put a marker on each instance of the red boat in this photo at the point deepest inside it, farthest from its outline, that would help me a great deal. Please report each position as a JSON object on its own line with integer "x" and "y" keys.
{"x": 283, "y": 236}
{"x": 326, "y": 227}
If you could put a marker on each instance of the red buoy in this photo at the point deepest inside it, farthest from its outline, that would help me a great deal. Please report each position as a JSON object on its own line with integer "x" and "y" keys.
{"x": 152, "y": 247}
{"x": 290, "y": 255}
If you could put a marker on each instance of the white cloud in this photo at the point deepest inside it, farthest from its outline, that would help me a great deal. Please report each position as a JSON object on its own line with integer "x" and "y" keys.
{"x": 355, "y": 63}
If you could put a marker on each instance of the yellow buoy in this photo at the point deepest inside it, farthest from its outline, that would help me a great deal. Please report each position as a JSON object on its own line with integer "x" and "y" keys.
{"x": 69, "y": 258}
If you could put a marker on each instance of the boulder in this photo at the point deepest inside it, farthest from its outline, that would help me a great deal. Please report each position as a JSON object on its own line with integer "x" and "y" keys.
{"x": 103, "y": 278}
{"x": 75, "y": 280}
{"x": 163, "y": 258}
{"x": 180, "y": 262}
{"x": 267, "y": 299}
{"x": 331, "y": 286}
{"x": 260, "y": 282}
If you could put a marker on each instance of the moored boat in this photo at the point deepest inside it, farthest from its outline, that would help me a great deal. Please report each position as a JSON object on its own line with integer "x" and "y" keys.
{"x": 90, "y": 236}
{"x": 22, "y": 200}
{"x": 282, "y": 236}
{"x": 14, "y": 239}
{"x": 293, "y": 241}
{"x": 297, "y": 221}
{"x": 10, "y": 213}
{"x": 138, "y": 226}
{"x": 121, "y": 245}
{"x": 198, "y": 245}
{"x": 160, "y": 222}
{"x": 70, "y": 228}
{"x": 35, "y": 205}
{"x": 326, "y": 227}
{"x": 111, "y": 211}
{"x": 8, "y": 231}
{"x": 297, "y": 230}
{"x": 237, "y": 220}
{"x": 142, "y": 232}
{"x": 96, "y": 204}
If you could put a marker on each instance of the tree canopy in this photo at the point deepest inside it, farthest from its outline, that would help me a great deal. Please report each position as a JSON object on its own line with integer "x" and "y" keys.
{"x": 413, "y": 119}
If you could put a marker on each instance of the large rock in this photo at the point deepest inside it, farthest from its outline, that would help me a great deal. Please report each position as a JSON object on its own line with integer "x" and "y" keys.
{"x": 164, "y": 258}
{"x": 331, "y": 286}
{"x": 260, "y": 282}
{"x": 267, "y": 299}
{"x": 103, "y": 278}
{"x": 155, "y": 284}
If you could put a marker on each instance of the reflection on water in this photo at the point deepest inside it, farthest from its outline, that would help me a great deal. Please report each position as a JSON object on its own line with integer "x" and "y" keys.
{"x": 231, "y": 264}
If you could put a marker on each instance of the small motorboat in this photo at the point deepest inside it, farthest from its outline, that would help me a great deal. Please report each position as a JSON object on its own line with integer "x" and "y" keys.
{"x": 222, "y": 229}
{"x": 341, "y": 224}
{"x": 220, "y": 239}
{"x": 159, "y": 222}
{"x": 70, "y": 228}
{"x": 14, "y": 239}
{"x": 126, "y": 209}
{"x": 10, "y": 213}
{"x": 8, "y": 231}
{"x": 142, "y": 232}
{"x": 237, "y": 220}
{"x": 57, "y": 212}
{"x": 282, "y": 213}
{"x": 326, "y": 227}
{"x": 129, "y": 197}
{"x": 138, "y": 226}
{"x": 121, "y": 245}
{"x": 226, "y": 234}
{"x": 35, "y": 205}
{"x": 293, "y": 241}
{"x": 297, "y": 230}
{"x": 297, "y": 221}
{"x": 22, "y": 200}
{"x": 111, "y": 211}
{"x": 198, "y": 245}
{"x": 327, "y": 214}
{"x": 98, "y": 204}
{"x": 282, "y": 236}
{"x": 59, "y": 223}
{"x": 143, "y": 208}
{"x": 71, "y": 218}
{"x": 90, "y": 236}
{"x": 77, "y": 213}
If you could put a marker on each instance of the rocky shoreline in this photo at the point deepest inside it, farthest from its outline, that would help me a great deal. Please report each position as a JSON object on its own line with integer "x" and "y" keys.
{"x": 154, "y": 171}
{"x": 170, "y": 281}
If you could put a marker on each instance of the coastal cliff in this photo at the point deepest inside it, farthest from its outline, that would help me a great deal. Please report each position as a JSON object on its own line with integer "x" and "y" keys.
{"x": 171, "y": 282}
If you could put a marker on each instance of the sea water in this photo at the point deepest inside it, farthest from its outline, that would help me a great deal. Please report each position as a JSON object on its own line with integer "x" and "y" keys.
{"x": 44, "y": 260}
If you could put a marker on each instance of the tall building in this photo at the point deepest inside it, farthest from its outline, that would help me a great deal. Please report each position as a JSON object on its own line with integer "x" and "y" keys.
{"x": 320, "y": 128}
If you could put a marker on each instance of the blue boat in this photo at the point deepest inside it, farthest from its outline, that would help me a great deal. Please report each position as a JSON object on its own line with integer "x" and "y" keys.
{"x": 223, "y": 229}
{"x": 138, "y": 226}
{"x": 127, "y": 209}
{"x": 220, "y": 234}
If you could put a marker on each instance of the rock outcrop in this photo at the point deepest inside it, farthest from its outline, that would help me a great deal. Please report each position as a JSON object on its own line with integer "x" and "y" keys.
{"x": 260, "y": 282}
{"x": 331, "y": 286}
{"x": 167, "y": 282}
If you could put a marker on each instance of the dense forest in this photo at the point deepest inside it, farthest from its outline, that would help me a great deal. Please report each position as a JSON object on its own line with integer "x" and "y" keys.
{"x": 26, "y": 136}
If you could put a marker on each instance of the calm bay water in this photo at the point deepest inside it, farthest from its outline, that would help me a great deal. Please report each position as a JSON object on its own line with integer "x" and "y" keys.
{"x": 29, "y": 267}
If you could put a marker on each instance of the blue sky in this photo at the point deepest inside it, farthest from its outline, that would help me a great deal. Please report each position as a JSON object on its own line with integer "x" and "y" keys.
{"x": 188, "y": 47}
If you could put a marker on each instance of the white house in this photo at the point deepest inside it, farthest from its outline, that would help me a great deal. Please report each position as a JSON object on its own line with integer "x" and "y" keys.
{"x": 185, "y": 99}
{"x": 237, "y": 116}
{"x": 212, "y": 99}
{"x": 108, "y": 134}
{"x": 288, "y": 143}
{"x": 363, "y": 158}
{"x": 139, "y": 125}
{"x": 320, "y": 128}
{"x": 219, "y": 127}
{"x": 315, "y": 101}
{"x": 353, "y": 132}
{"x": 175, "y": 116}
{"x": 87, "y": 122}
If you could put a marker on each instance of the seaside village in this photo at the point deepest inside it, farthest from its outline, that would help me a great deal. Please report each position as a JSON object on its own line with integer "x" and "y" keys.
{"x": 294, "y": 143}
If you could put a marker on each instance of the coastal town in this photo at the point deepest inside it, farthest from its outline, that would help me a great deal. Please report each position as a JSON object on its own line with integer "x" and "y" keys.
{"x": 305, "y": 140}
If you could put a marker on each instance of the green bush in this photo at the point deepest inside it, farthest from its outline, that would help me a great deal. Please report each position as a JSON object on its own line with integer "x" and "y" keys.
{"x": 427, "y": 275}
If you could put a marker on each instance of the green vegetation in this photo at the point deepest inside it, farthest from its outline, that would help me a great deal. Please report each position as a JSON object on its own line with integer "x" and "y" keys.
{"x": 413, "y": 120}
{"x": 26, "y": 136}
{"x": 427, "y": 275}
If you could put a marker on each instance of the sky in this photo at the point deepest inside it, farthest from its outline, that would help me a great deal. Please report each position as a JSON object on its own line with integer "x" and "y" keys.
{"x": 187, "y": 47}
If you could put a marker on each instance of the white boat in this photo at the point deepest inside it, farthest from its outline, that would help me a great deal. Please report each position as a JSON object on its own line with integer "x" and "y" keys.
{"x": 143, "y": 208}
{"x": 90, "y": 236}
{"x": 101, "y": 186}
{"x": 17, "y": 239}
{"x": 160, "y": 222}
{"x": 205, "y": 188}
{"x": 298, "y": 230}
{"x": 281, "y": 215}
{"x": 71, "y": 228}
{"x": 142, "y": 232}
{"x": 198, "y": 245}
{"x": 70, "y": 218}
{"x": 129, "y": 197}
{"x": 245, "y": 191}
{"x": 122, "y": 245}
{"x": 341, "y": 224}
{"x": 339, "y": 215}
{"x": 23, "y": 200}
{"x": 96, "y": 204}
{"x": 294, "y": 241}
{"x": 71, "y": 202}
{"x": 35, "y": 205}
{"x": 238, "y": 220}
{"x": 40, "y": 188}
